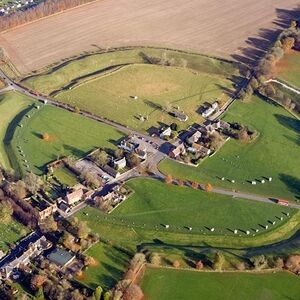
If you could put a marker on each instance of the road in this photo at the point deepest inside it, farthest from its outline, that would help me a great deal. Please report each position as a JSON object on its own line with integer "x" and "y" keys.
{"x": 153, "y": 160}
{"x": 11, "y": 85}
{"x": 284, "y": 85}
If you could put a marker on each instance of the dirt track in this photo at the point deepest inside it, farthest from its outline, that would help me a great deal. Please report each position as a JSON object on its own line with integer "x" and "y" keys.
{"x": 219, "y": 27}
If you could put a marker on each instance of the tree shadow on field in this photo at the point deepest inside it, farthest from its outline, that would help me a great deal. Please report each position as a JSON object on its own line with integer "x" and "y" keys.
{"x": 292, "y": 183}
{"x": 74, "y": 151}
{"x": 290, "y": 123}
{"x": 258, "y": 45}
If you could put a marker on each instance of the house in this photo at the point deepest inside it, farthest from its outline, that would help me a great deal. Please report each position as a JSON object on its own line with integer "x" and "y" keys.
{"x": 177, "y": 151}
{"x": 128, "y": 145}
{"x": 111, "y": 171}
{"x": 74, "y": 196}
{"x": 42, "y": 208}
{"x": 194, "y": 138}
{"x": 180, "y": 116}
{"x": 31, "y": 247}
{"x": 165, "y": 132}
{"x": 215, "y": 105}
{"x": 120, "y": 163}
{"x": 49, "y": 210}
{"x": 61, "y": 257}
{"x": 208, "y": 112}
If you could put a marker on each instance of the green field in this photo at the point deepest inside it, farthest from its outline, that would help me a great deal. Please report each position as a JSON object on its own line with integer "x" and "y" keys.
{"x": 289, "y": 69}
{"x": 88, "y": 66}
{"x": 69, "y": 134}
{"x": 158, "y": 88}
{"x": 10, "y": 233}
{"x": 111, "y": 263}
{"x": 106, "y": 83}
{"x": 165, "y": 284}
{"x": 11, "y": 106}
{"x": 155, "y": 203}
{"x": 275, "y": 153}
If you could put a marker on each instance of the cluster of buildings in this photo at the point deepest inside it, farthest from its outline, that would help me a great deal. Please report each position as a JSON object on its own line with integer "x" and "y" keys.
{"x": 196, "y": 140}
{"x": 28, "y": 249}
{"x": 14, "y": 6}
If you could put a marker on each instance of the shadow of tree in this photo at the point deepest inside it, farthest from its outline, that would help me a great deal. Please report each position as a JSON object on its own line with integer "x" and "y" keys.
{"x": 292, "y": 183}
{"x": 290, "y": 123}
{"x": 258, "y": 45}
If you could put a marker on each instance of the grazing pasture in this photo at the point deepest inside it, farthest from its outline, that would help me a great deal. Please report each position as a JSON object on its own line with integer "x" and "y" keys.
{"x": 155, "y": 203}
{"x": 165, "y": 284}
{"x": 159, "y": 90}
{"x": 68, "y": 134}
{"x": 11, "y": 106}
{"x": 214, "y": 27}
{"x": 274, "y": 153}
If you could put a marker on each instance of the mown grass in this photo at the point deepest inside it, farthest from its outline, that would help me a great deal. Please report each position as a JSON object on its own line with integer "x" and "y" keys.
{"x": 155, "y": 203}
{"x": 110, "y": 264}
{"x": 275, "y": 153}
{"x": 69, "y": 134}
{"x": 11, "y": 104}
{"x": 167, "y": 284}
{"x": 160, "y": 89}
{"x": 63, "y": 74}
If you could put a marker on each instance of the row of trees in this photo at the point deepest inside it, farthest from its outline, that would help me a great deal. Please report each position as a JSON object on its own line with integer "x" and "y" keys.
{"x": 46, "y": 8}
{"x": 12, "y": 197}
{"x": 287, "y": 40}
{"x": 127, "y": 289}
{"x": 195, "y": 185}
{"x": 219, "y": 263}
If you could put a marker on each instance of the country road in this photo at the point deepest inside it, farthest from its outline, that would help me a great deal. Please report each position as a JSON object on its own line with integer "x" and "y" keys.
{"x": 154, "y": 160}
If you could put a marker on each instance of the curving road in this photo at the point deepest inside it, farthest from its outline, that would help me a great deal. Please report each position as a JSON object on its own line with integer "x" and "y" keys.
{"x": 153, "y": 160}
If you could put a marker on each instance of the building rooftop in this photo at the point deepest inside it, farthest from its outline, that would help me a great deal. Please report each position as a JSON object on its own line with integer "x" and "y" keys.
{"x": 61, "y": 257}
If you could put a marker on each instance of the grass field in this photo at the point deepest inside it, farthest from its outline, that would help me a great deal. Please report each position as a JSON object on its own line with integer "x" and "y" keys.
{"x": 275, "y": 153}
{"x": 10, "y": 233}
{"x": 110, "y": 265}
{"x": 165, "y": 284}
{"x": 184, "y": 207}
{"x": 157, "y": 87}
{"x": 88, "y": 66}
{"x": 69, "y": 134}
{"x": 288, "y": 69}
{"x": 11, "y": 106}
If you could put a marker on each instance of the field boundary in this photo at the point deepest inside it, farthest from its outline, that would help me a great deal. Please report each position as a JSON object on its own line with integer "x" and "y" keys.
{"x": 49, "y": 16}
{"x": 47, "y": 70}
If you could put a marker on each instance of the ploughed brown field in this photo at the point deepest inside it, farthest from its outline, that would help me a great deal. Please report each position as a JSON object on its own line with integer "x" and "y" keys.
{"x": 219, "y": 27}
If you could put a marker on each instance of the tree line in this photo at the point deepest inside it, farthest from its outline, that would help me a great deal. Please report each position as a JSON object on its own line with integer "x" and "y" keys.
{"x": 287, "y": 40}
{"x": 46, "y": 8}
